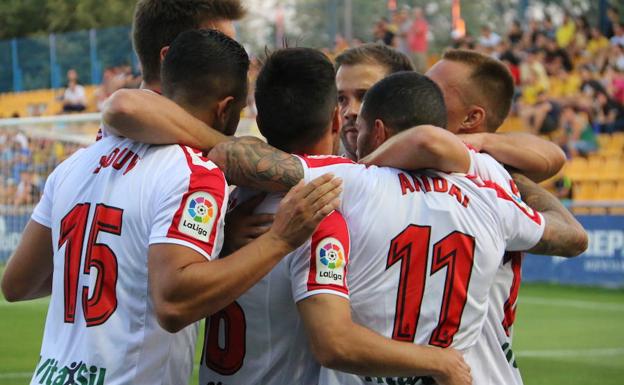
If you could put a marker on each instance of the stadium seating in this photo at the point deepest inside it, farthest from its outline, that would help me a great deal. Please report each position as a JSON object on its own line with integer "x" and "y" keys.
{"x": 39, "y": 102}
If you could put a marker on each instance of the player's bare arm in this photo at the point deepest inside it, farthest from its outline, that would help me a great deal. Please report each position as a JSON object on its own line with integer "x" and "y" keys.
{"x": 248, "y": 161}
{"x": 28, "y": 274}
{"x": 422, "y": 147}
{"x": 563, "y": 234}
{"x": 186, "y": 288}
{"x": 531, "y": 155}
{"x": 339, "y": 343}
{"x": 147, "y": 117}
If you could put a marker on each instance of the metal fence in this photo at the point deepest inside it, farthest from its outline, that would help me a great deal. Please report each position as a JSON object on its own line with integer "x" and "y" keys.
{"x": 41, "y": 62}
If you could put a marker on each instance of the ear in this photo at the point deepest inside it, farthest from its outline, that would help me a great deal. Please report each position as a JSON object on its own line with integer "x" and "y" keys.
{"x": 223, "y": 110}
{"x": 381, "y": 132}
{"x": 474, "y": 121}
{"x": 163, "y": 52}
{"x": 335, "y": 125}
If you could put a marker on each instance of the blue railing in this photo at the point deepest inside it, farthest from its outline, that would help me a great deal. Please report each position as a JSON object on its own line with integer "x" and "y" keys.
{"x": 41, "y": 62}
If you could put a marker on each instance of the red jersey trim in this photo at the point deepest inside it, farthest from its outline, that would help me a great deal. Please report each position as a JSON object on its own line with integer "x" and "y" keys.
{"x": 315, "y": 161}
{"x": 503, "y": 194}
{"x": 509, "y": 308}
{"x": 201, "y": 179}
{"x": 333, "y": 226}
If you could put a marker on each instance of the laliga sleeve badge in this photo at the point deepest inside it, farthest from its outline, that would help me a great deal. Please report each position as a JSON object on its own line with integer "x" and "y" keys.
{"x": 330, "y": 262}
{"x": 199, "y": 215}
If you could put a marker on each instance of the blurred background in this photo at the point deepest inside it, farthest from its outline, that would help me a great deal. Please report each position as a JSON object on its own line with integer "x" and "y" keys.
{"x": 61, "y": 59}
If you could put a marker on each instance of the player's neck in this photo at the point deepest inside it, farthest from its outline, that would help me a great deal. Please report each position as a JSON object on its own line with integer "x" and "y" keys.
{"x": 323, "y": 146}
{"x": 154, "y": 86}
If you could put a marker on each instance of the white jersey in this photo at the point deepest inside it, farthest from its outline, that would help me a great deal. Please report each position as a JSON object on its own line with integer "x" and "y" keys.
{"x": 260, "y": 339}
{"x": 494, "y": 359}
{"x": 105, "y": 206}
{"x": 424, "y": 252}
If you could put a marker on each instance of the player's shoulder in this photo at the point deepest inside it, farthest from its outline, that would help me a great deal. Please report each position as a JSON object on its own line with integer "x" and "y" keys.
{"x": 185, "y": 158}
{"x": 315, "y": 161}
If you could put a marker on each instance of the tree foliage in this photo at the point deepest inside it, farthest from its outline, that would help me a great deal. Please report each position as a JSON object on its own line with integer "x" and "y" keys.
{"x": 20, "y": 18}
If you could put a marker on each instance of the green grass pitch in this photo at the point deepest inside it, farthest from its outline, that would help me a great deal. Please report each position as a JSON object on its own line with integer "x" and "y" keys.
{"x": 563, "y": 336}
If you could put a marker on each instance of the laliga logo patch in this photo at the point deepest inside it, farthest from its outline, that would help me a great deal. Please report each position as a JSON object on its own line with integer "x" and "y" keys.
{"x": 330, "y": 262}
{"x": 198, "y": 217}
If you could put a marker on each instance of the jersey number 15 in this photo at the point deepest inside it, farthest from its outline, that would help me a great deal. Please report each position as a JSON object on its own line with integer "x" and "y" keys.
{"x": 103, "y": 301}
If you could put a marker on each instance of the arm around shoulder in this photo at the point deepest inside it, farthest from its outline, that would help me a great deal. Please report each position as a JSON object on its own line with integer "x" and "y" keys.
{"x": 563, "y": 235}
{"x": 422, "y": 147}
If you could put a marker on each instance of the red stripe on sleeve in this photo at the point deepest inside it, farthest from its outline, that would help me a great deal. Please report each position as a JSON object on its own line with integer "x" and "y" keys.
{"x": 206, "y": 180}
{"x": 503, "y": 194}
{"x": 314, "y": 161}
{"x": 329, "y": 255}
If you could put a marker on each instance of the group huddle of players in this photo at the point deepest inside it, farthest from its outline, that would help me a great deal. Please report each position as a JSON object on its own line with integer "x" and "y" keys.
{"x": 403, "y": 268}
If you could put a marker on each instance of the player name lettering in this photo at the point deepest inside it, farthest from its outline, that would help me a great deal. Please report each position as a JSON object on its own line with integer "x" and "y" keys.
{"x": 118, "y": 159}
{"x": 195, "y": 227}
{"x": 422, "y": 183}
{"x": 331, "y": 274}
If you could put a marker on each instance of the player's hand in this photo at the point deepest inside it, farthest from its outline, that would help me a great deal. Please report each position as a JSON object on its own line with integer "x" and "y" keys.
{"x": 242, "y": 226}
{"x": 475, "y": 140}
{"x": 455, "y": 370}
{"x": 304, "y": 207}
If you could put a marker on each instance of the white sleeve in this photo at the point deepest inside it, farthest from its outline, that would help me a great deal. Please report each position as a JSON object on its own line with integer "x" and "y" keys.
{"x": 43, "y": 211}
{"x": 190, "y": 211}
{"x": 523, "y": 227}
{"x": 354, "y": 175}
{"x": 320, "y": 265}
{"x": 487, "y": 168}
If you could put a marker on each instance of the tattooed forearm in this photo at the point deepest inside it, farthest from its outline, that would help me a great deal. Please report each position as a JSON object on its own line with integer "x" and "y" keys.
{"x": 250, "y": 162}
{"x": 563, "y": 235}
{"x": 536, "y": 197}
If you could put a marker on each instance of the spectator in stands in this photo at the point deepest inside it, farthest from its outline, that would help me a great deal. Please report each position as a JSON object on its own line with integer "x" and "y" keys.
{"x": 566, "y": 32}
{"x": 382, "y": 32}
{"x": 613, "y": 17}
{"x": 564, "y": 86}
{"x": 533, "y": 72}
{"x": 547, "y": 28}
{"x": 563, "y": 190}
{"x": 27, "y": 192}
{"x": 74, "y": 98}
{"x": 543, "y": 117}
{"x": 609, "y": 114}
{"x": 417, "y": 40}
{"x": 515, "y": 33}
{"x": 578, "y": 137}
{"x": 582, "y": 36}
{"x": 8, "y": 190}
{"x": 616, "y": 84}
{"x": 488, "y": 38}
{"x": 618, "y": 35}
{"x": 590, "y": 87}
{"x": 616, "y": 57}
{"x": 556, "y": 57}
{"x": 403, "y": 25}
{"x": 597, "y": 44}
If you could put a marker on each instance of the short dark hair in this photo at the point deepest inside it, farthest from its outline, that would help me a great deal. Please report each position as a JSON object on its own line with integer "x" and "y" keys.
{"x": 158, "y": 22}
{"x": 404, "y": 100}
{"x": 492, "y": 81}
{"x": 205, "y": 64}
{"x": 296, "y": 97}
{"x": 373, "y": 53}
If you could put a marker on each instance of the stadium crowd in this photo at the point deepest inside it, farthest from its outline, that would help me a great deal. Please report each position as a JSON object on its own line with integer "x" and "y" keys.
{"x": 26, "y": 163}
{"x": 569, "y": 75}
{"x": 569, "y": 80}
